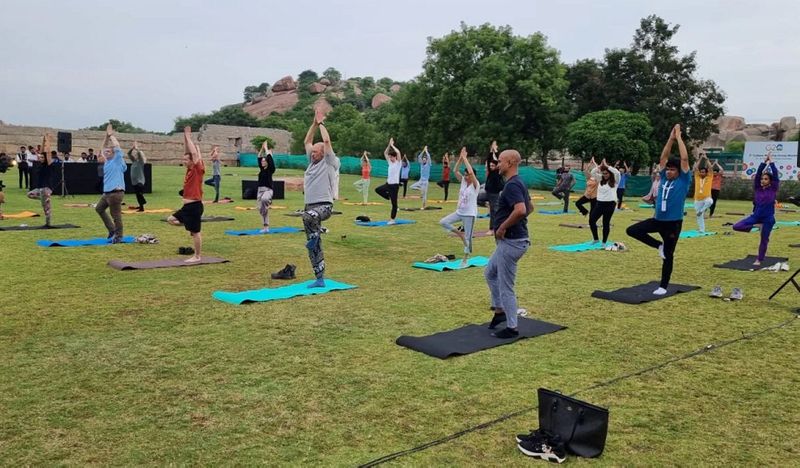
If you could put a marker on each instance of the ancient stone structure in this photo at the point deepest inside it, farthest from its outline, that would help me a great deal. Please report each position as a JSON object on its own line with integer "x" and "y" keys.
{"x": 160, "y": 149}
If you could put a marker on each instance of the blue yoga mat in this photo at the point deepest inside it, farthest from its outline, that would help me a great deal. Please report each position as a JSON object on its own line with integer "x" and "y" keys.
{"x": 582, "y": 247}
{"x": 691, "y": 234}
{"x": 283, "y": 292}
{"x": 453, "y": 265}
{"x": 483, "y": 216}
{"x": 82, "y": 242}
{"x": 257, "y": 232}
{"x": 686, "y": 205}
{"x": 788, "y": 223}
{"x": 384, "y": 223}
{"x": 555, "y": 212}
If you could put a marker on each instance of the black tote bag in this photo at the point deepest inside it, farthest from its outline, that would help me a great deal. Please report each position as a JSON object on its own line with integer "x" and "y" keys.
{"x": 582, "y": 426}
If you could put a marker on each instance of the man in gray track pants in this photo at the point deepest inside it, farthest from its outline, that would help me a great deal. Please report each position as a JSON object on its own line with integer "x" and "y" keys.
{"x": 510, "y": 228}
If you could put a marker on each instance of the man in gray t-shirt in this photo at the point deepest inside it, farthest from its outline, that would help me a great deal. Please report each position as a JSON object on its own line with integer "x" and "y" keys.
{"x": 318, "y": 185}
{"x": 564, "y": 183}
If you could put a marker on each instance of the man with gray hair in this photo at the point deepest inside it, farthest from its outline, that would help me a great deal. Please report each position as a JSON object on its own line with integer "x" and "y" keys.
{"x": 319, "y": 190}
{"x": 113, "y": 186}
{"x": 510, "y": 226}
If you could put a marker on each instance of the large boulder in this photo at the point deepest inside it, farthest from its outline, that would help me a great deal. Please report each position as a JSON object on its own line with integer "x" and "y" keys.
{"x": 788, "y": 123}
{"x": 379, "y": 100}
{"x": 323, "y": 105}
{"x": 316, "y": 88}
{"x": 791, "y": 134}
{"x": 325, "y": 81}
{"x": 730, "y": 122}
{"x": 284, "y": 84}
{"x": 395, "y": 88}
{"x": 276, "y": 102}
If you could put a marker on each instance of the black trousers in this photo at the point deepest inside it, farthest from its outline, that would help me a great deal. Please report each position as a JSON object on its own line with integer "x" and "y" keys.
{"x": 714, "y": 196}
{"x": 139, "y": 189}
{"x": 389, "y": 192}
{"x": 404, "y": 183}
{"x": 606, "y": 210}
{"x": 582, "y": 201}
{"x": 620, "y": 195}
{"x": 24, "y": 174}
{"x": 445, "y": 184}
{"x": 669, "y": 231}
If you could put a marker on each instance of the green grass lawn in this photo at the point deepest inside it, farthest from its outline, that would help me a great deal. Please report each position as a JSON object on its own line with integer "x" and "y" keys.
{"x": 104, "y": 367}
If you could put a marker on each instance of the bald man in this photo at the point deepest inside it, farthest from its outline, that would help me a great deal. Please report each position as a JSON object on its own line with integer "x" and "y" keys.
{"x": 510, "y": 226}
{"x": 320, "y": 185}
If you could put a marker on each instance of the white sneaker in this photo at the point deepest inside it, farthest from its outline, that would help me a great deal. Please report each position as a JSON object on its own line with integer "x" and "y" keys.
{"x": 265, "y": 230}
{"x": 785, "y": 266}
{"x": 661, "y": 253}
{"x": 660, "y": 292}
{"x": 390, "y": 222}
{"x": 522, "y": 312}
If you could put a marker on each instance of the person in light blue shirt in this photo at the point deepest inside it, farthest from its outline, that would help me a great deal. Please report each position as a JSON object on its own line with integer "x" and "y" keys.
{"x": 668, "y": 219}
{"x": 114, "y": 168}
{"x": 424, "y": 160}
{"x": 405, "y": 169}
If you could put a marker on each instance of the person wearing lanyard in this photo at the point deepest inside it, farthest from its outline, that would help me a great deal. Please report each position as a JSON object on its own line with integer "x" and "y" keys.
{"x": 668, "y": 219}
{"x": 702, "y": 191}
{"x": 114, "y": 168}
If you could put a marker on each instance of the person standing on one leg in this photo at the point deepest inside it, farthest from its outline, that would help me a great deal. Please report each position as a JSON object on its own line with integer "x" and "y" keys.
{"x": 606, "y": 204}
{"x": 390, "y": 189}
{"x": 702, "y": 191}
{"x": 590, "y": 194}
{"x": 564, "y": 186}
{"x": 44, "y": 181}
{"x": 668, "y": 220}
{"x": 22, "y": 167}
{"x": 362, "y": 184}
{"x": 494, "y": 183}
{"x": 319, "y": 193}
{"x": 467, "y": 210}
{"x": 765, "y": 190}
{"x": 266, "y": 168}
{"x": 114, "y": 168}
{"x": 716, "y": 187}
{"x": 216, "y": 173}
{"x": 425, "y": 163}
{"x": 445, "y": 182}
{"x": 405, "y": 170}
{"x": 191, "y": 213}
{"x": 510, "y": 228}
{"x": 138, "y": 160}
{"x": 622, "y": 181}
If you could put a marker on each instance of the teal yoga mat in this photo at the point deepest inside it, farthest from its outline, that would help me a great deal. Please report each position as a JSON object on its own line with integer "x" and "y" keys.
{"x": 384, "y": 223}
{"x": 582, "y": 247}
{"x": 283, "y": 292}
{"x": 788, "y": 223}
{"x": 555, "y": 212}
{"x": 692, "y": 234}
{"x": 257, "y": 232}
{"x": 453, "y": 265}
{"x": 82, "y": 242}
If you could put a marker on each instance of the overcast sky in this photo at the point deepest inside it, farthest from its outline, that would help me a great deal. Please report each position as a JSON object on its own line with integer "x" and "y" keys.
{"x": 78, "y": 63}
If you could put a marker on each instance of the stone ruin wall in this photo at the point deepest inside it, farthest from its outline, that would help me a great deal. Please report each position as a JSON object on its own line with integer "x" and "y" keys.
{"x": 159, "y": 149}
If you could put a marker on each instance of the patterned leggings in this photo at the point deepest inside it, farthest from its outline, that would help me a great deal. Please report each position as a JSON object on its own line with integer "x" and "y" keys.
{"x": 264, "y": 201}
{"x": 313, "y": 216}
{"x": 43, "y": 194}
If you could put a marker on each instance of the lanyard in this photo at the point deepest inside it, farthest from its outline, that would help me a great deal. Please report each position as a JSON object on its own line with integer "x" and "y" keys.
{"x": 665, "y": 189}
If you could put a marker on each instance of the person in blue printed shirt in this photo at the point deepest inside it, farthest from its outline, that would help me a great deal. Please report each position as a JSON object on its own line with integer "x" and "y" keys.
{"x": 510, "y": 228}
{"x": 668, "y": 220}
{"x": 114, "y": 168}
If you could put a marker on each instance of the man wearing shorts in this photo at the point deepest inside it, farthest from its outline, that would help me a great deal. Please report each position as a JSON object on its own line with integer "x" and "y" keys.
{"x": 190, "y": 215}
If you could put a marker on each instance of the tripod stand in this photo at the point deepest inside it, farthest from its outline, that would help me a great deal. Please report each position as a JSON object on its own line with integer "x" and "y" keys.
{"x": 63, "y": 184}
{"x": 790, "y": 280}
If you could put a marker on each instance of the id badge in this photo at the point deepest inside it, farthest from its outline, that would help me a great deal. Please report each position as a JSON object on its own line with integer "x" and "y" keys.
{"x": 663, "y": 205}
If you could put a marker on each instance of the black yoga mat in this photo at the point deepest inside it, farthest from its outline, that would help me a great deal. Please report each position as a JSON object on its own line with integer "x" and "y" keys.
{"x": 796, "y": 246}
{"x": 31, "y": 228}
{"x": 642, "y": 293}
{"x": 165, "y": 263}
{"x": 212, "y": 219}
{"x": 746, "y": 264}
{"x": 473, "y": 338}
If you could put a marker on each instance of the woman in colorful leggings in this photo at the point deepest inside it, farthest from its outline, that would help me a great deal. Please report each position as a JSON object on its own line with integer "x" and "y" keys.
{"x": 765, "y": 189}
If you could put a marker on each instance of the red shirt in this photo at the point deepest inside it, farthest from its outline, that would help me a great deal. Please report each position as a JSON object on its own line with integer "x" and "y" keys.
{"x": 193, "y": 181}
{"x": 716, "y": 181}
{"x": 446, "y": 173}
{"x": 365, "y": 172}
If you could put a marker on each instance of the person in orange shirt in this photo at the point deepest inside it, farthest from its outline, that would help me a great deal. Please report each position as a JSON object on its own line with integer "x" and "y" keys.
{"x": 716, "y": 186}
{"x": 702, "y": 191}
{"x": 362, "y": 184}
{"x": 590, "y": 194}
{"x": 191, "y": 214}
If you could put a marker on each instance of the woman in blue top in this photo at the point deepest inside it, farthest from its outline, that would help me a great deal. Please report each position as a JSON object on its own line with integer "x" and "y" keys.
{"x": 623, "y": 181}
{"x": 405, "y": 169}
{"x": 668, "y": 219}
{"x": 765, "y": 189}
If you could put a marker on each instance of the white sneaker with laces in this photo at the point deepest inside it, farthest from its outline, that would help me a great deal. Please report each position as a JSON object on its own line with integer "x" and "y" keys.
{"x": 716, "y": 292}
{"x": 660, "y": 292}
{"x": 661, "y": 252}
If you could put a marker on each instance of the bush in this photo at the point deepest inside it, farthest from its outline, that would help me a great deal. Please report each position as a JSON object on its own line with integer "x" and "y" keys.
{"x": 742, "y": 189}
{"x": 259, "y": 140}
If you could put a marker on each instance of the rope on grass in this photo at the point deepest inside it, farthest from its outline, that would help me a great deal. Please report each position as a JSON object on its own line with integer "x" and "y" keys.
{"x": 703, "y": 350}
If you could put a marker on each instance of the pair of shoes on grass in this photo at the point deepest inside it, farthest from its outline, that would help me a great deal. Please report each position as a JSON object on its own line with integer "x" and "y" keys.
{"x": 780, "y": 266}
{"x": 736, "y": 293}
{"x": 542, "y": 444}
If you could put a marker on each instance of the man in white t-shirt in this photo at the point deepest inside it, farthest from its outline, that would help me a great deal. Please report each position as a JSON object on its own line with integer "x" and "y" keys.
{"x": 392, "y": 186}
{"x": 467, "y": 210}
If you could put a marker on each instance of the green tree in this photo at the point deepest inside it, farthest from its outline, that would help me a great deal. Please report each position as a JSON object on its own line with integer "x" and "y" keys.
{"x": 257, "y": 141}
{"x": 120, "y": 126}
{"x": 734, "y": 147}
{"x": 614, "y": 135}
{"x": 229, "y": 115}
{"x": 586, "y": 90}
{"x": 332, "y": 74}
{"x": 484, "y": 83}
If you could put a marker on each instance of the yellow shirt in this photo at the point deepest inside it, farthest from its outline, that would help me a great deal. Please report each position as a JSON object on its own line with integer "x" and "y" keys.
{"x": 702, "y": 186}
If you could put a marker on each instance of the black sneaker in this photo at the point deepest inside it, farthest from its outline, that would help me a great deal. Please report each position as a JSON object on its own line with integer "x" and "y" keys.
{"x": 532, "y": 436}
{"x": 185, "y": 251}
{"x": 110, "y": 235}
{"x": 551, "y": 450}
{"x": 497, "y": 319}
{"x": 506, "y": 333}
{"x": 286, "y": 273}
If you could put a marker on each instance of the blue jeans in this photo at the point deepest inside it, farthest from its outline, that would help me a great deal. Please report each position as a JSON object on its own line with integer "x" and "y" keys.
{"x": 501, "y": 273}
{"x": 214, "y": 182}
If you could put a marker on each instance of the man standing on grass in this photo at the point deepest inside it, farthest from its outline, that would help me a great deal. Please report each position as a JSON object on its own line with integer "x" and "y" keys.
{"x": 668, "y": 220}
{"x": 113, "y": 186}
{"x": 319, "y": 193}
{"x": 510, "y": 227}
{"x": 191, "y": 213}
{"x": 44, "y": 181}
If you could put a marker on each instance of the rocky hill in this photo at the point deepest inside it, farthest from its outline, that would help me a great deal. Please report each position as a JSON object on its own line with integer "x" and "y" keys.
{"x": 734, "y": 128}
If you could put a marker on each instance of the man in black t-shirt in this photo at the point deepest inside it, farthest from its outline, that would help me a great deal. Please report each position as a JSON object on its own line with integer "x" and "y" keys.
{"x": 44, "y": 182}
{"x": 494, "y": 182}
{"x": 510, "y": 228}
